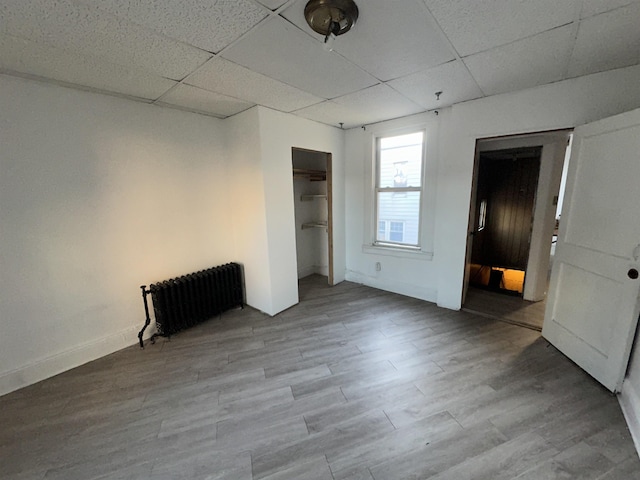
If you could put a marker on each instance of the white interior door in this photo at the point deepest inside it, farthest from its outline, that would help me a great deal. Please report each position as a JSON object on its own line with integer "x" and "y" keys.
{"x": 593, "y": 303}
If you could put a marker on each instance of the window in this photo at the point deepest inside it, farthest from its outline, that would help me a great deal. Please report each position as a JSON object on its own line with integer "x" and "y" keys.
{"x": 392, "y": 231}
{"x": 398, "y": 190}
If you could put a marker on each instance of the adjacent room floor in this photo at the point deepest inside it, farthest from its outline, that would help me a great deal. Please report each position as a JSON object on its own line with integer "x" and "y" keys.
{"x": 351, "y": 383}
{"x": 509, "y": 308}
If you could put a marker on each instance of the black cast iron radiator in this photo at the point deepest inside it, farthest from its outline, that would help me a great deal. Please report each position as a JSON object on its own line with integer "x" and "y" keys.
{"x": 182, "y": 302}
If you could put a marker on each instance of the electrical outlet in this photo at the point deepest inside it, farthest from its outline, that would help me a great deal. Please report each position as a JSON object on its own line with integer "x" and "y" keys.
{"x": 378, "y": 267}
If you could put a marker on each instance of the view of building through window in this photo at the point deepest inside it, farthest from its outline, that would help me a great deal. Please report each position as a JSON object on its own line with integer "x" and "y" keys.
{"x": 399, "y": 188}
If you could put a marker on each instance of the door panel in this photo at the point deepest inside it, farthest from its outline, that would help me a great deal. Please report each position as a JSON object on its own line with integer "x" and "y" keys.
{"x": 593, "y": 306}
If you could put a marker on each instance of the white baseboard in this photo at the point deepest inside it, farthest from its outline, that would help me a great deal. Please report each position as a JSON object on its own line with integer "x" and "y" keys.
{"x": 61, "y": 362}
{"x": 630, "y": 403}
{"x": 402, "y": 288}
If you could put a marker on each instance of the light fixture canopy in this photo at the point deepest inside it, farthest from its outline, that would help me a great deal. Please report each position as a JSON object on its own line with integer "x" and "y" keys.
{"x": 331, "y": 17}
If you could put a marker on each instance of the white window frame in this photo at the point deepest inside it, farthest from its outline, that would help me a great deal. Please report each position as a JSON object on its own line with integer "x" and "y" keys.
{"x": 368, "y": 134}
{"x": 378, "y": 189}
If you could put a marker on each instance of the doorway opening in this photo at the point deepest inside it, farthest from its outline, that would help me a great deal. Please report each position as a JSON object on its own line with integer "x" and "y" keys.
{"x": 506, "y": 192}
{"x": 512, "y": 222}
{"x": 313, "y": 212}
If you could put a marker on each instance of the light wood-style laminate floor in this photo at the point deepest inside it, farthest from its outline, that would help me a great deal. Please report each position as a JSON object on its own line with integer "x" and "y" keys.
{"x": 510, "y": 308}
{"x": 352, "y": 383}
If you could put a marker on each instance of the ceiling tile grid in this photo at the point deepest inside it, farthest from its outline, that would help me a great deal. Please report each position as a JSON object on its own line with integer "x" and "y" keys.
{"x": 82, "y": 30}
{"x": 22, "y": 56}
{"x": 595, "y": 7}
{"x": 452, "y": 79}
{"x": 371, "y": 105}
{"x": 378, "y": 103}
{"x": 333, "y": 114}
{"x": 225, "y": 77}
{"x": 210, "y": 25}
{"x": 203, "y": 101}
{"x": 607, "y": 41}
{"x": 523, "y": 64}
{"x": 272, "y": 4}
{"x": 474, "y": 26}
{"x": 392, "y": 43}
{"x": 220, "y": 57}
{"x": 279, "y": 50}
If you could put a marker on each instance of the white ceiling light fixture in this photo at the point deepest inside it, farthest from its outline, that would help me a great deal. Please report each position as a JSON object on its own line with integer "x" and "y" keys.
{"x": 331, "y": 17}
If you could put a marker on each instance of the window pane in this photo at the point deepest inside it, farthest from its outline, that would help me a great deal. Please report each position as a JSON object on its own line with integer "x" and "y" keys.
{"x": 403, "y": 212}
{"x": 400, "y": 161}
{"x": 382, "y": 230}
{"x": 396, "y": 232}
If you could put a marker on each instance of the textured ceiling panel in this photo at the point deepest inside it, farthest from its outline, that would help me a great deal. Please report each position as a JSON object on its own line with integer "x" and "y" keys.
{"x": 87, "y": 31}
{"x": 378, "y": 103}
{"x": 523, "y": 64}
{"x": 209, "y": 25}
{"x": 281, "y": 51}
{"x": 139, "y": 47}
{"x": 594, "y": 7}
{"x": 22, "y": 56}
{"x": 222, "y": 76}
{"x": 387, "y": 41}
{"x": 272, "y": 4}
{"x": 192, "y": 98}
{"x": 452, "y": 79}
{"x": 474, "y": 26}
{"x": 607, "y": 41}
{"x": 332, "y": 114}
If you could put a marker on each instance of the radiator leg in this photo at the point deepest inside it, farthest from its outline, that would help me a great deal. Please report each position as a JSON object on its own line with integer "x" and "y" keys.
{"x": 147, "y": 320}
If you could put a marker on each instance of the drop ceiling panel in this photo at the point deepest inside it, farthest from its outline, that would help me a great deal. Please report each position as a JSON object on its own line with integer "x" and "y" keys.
{"x": 22, "y": 56}
{"x": 387, "y": 41}
{"x": 332, "y": 114}
{"x": 594, "y": 7}
{"x": 523, "y": 64}
{"x": 272, "y": 4}
{"x": 377, "y": 103}
{"x": 87, "y": 31}
{"x": 281, "y": 51}
{"x": 367, "y": 106}
{"x": 196, "y": 99}
{"x": 452, "y": 79}
{"x": 474, "y": 26}
{"x": 607, "y": 41}
{"x": 210, "y": 25}
{"x": 222, "y": 76}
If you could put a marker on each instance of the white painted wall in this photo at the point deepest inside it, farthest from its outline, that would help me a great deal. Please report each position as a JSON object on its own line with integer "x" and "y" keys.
{"x": 247, "y": 203}
{"x": 556, "y": 106}
{"x": 98, "y": 195}
{"x": 278, "y": 133}
{"x": 560, "y": 105}
{"x": 408, "y": 273}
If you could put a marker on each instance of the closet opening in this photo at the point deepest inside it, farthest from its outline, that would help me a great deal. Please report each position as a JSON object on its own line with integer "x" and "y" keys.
{"x": 313, "y": 212}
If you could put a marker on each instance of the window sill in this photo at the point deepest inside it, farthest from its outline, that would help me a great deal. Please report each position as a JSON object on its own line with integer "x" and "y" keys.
{"x": 400, "y": 252}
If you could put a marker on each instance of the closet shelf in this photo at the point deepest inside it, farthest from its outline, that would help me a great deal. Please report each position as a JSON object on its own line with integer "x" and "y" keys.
{"x": 306, "y": 198}
{"x": 312, "y": 175}
{"x": 314, "y": 225}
